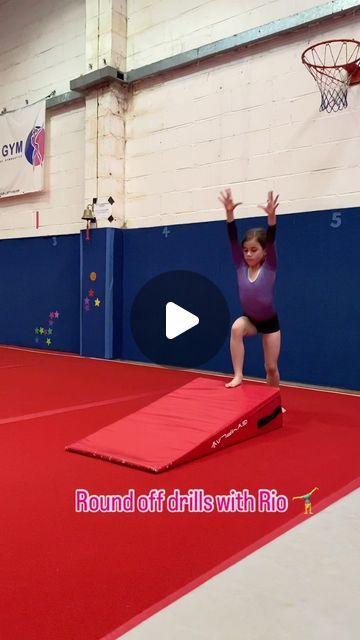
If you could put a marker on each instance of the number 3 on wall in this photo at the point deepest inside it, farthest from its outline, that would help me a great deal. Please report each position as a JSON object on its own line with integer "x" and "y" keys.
{"x": 335, "y": 220}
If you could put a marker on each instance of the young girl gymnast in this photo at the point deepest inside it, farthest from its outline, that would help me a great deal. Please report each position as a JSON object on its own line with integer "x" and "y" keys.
{"x": 255, "y": 262}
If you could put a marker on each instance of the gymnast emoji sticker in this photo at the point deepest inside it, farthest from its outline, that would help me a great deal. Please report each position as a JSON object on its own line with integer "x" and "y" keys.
{"x": 307, "y": 501}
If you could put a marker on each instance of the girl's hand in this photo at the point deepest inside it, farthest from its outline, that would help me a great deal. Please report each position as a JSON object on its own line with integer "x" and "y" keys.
{"x": 270, "y": 207}
{"x": 227, "y": 201}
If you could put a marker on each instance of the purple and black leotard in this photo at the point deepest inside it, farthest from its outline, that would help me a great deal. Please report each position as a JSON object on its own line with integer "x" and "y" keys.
{"x": 257, "y": 297}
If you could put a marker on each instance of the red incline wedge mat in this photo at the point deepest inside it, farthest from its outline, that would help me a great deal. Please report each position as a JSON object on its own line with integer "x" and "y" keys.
{"x": 195, "y": 420}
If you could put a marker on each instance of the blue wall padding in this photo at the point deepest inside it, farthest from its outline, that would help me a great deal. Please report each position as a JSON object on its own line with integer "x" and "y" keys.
{"x": 40, "y": 276}
{"x": 317, "y": 289}
{"x": 318, "y": 299}
{"x": 196, "y": 247}
{"x": 118, "y": 296}
{"x": 100, "y": 330}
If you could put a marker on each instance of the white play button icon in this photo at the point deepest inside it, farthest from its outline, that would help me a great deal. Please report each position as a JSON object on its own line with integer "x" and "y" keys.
{"x": 178, "y": 320}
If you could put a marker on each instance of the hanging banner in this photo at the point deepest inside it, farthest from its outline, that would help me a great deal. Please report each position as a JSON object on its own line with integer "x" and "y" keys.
{"x": 22, "y": 150}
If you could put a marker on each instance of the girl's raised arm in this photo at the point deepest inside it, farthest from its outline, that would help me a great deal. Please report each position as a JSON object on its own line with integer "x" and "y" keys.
{"x": 227, "y": 201}
{"x": 270, "y": 209}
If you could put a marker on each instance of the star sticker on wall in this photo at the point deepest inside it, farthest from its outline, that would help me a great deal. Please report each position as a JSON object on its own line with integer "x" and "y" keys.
{"x": 86, "y": 301}
{"x": 48, "y": 342}
{"x": 97, "y": 302}
{"x": 41, "y": 330}
{"x": 50, "y": 332}
{"x": 56, "y": 314}
{"x": 91, "y": 293}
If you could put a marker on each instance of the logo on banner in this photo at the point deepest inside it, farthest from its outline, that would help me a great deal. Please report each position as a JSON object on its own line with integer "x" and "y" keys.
{"x": 35, "y": 146}
{"x": 22, "y": 150}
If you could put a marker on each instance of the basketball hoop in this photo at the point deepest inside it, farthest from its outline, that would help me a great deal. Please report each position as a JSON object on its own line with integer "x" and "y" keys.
{"x": 334, "y": 65}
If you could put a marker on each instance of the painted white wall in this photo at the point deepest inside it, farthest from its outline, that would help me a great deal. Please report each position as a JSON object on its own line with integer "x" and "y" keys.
{"x": 250, "y": 121}
{"x": 106, "y": 29}
{"x": 42, "y": 46}
{"x": 158, "y": 29}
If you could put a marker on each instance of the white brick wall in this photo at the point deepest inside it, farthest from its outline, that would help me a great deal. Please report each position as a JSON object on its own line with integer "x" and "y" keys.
{"x": 106, "y": 29}
{"x": 42, "y": 47}
{"x": 161, "y": 28}
{"x": 250, "y": 121}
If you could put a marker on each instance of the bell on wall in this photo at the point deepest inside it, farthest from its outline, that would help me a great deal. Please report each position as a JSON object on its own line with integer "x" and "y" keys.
{"x": 88, "y": 215}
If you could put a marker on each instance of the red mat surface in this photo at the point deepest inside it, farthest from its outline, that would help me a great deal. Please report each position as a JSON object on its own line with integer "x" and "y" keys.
{"x": 198, "y": 419}
{"x": 88, "y": 576}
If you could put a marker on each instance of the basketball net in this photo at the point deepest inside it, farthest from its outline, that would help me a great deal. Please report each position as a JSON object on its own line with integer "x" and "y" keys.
{"x": 333, "y": 65}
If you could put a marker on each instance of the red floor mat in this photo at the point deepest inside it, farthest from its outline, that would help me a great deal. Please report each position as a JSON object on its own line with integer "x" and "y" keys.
{"x": 86, "y": 576}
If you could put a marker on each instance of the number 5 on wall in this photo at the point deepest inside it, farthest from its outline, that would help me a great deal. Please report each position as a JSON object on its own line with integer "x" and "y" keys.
{"x": 336, "y": 220}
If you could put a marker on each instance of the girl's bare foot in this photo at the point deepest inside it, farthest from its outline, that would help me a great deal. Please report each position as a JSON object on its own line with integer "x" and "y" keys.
{"x": 234, "y": 382}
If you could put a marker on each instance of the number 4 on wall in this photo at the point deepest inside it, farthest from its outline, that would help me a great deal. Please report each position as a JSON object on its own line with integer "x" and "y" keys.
{"x": 335, "y": 220}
